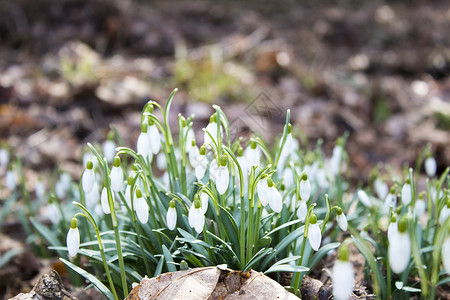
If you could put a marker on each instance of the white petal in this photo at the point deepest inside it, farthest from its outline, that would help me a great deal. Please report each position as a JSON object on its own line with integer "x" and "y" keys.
{"x": 406, "y": 194}
{"x": 445, "y": 213}
{"x": 4, "y": 158}
{"x": 128, "y": 196}
{"x": 343, "y": 280}
{"x": 142, "y": 210}
{"x": 194, "y": 154}
{"x": 93, "y": 197}
{"x": 143, "y": 144}
{"x": 161, "y": 161}
{"x": 420, "y": 208}
{"x": 39, "y": 190}
{"x": 171, "y": 218}
{"x": 391, "y": 200}
{"x": 53, "y": 213}
{"x": 252, "y": 156}
{"x": 189, "y": 138}
{"x": 430, "y": 166}
{"x": 322, "y": 178}
{"x": 244, "y": 165}
{"x": 73, "y": 241}
{"x": 314, "y": 236}
{"x": 199, "y": 220}
{"x": 200, "y": 169}
{"x": 105, "y": 203}
{"x": 364, "y": 198}
{"x": 262, "y": 188}
{"x": 223, "y": 179}
{"x": 399, "y": 252}
{"x": 204, "y": 199}
{"x": 381, "y": 188}
{"x": 335, "y": 161}
{"x": 109, "y": 150}
{"x": 342, "y": 222}
{"x": 302, "y": 210}
{"x": 305, "y": 190}
{"x": 446, "y": 255}
{"x": 60, "y": 190}
{"x": 154, "y": 139}
{"x": 117, "y": 179}
{"x": 275, "y": 200}
{"x": 392, "y": 231}
{"x": 11, "y": 181}
{"x": 213, "y": 170}
{"x": 212, "y": 129}
{"x": 191, "y": 215}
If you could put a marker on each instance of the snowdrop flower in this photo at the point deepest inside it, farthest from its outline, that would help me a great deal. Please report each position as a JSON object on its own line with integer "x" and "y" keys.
{"x": 400, "y": 248}
{"x": 93, "y": 197}
{"x": 305, "y": 187}
{"x": 391, "y": 200}
{"x": 154, "y": 137}
{"x": 4, "y": 158}
{"x": 116, "y": 176}
{"x": 128, "y": 194}
{"x": 343, "y": 276}
{"x": 143, "y": 143}
{"x": 204, "y": 200}
{"x": 211, "y": 128}
{"x": 88, "y": 177}
{"x": 420, "y": 207}
{"x": 430, "y": 166}
{"x": 105, "y": 202}
{"x": 445, "y": 212}
{"x": 190, "y": 138}
{"x": 243, "y": 163}
{"x": 201, "y": 164}
{"x": 273, "y": 196}
{"x": 261, "y": 188}
{"x": 341, "y": 219}
{"x": 171, "y": 215}
{"x": 53, "y": 213}
{"x": 321, "y": 178}
{"x": 336, "y": 157}
{"x": 381, "y": 188}
{"x": 73, "y": 238}
{"x": 39, "y": 190}
{"x": 364, "y": 198}
{"x": 302, "y": 210}
{"x": 223, "y": 176}
{"x": 406, "y": 193}
{"x": 11, "y": 180}
{"x": 161, "y": 161}
{"x": 141, "y": 207}
{"x": 314, "y": 233}
{"x": 252, "y": 154}
{"x": 213, "y": 170}
{"x": 446, "y": 255}
{"x": 109, "y": 148}
{"x": 392, "y": 228}
{"x": 288, "y": 177}
{"x": 194, "y": 154}
{"x": 196, "y": 217}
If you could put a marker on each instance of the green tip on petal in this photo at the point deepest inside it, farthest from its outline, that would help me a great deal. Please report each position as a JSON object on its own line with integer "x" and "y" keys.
{"x": 213, "y": 119}
{"x": 289, "y": 128}
{"x": 240, "y": 151}
{"x": 403, "y": 225}
{"x": 203, "y": 150}
{"x": 89, "y": 165}
{"x": 223, "y": 160}
{"x": 197, "y": 203}
{"x": 408, "y": 181}
{"x": 392, "y": 191}
{"x": 144, "y": 127}
{"x": 172, "y": 203}
{"x": 253, "y": 145}
{"x": 116, "y": 162}
{"x": 73, "y": 223}
{"x": 270, "y": 182}
{"x": 393, "y": 218}
{"x": 339, "y": 211}
{"x": 343, "y": 253}
{"x": 130, "y": 180}
{"x": 313, "y": 219}
{"x": 138, "y": 193}
{"x": 193, "y": 143}
{"x": 304, "y": 176}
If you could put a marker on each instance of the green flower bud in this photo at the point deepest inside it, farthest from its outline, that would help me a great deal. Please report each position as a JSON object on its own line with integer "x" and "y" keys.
{"x": 73, "y": 223}
{"x": 89, "y": 165}
{"x": 193, "y": 143}
{"x": 203, "y": 150}
{"x": 313, "y": 219}
{"x": 138, "y": 193}
{"x": 110, "y": 136}
{"x": 253, "y": 145}
{"x": 130, "y": 180}
{"x": 403, "y": 225}
{"x": 339, "y": 211}
{"x": 116, "y": 162}
{"x": 343, "y": 253}
{"x": 144, "y": 127}
{"x": 240, "y": 151}
{"x": 408, "y": 181}
{"x": 270, "y": 182}
{"x": 172, "y": 203}
{"x": 304, "y": 176}
{"x": 392, "y": 191}
{"x": 223, "y": 160}
{"x": 289, "y": 128}
{"x": 197, "y": 203}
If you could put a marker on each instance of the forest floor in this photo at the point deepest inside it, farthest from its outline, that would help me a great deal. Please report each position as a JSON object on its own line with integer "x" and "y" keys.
{"x": 378, "y": 70}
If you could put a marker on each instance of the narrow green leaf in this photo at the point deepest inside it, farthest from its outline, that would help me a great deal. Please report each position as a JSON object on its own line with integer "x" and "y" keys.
{"x": 286, "y": 268}
{"x": 169, "y": 259}
{"x": 321, "y": 253}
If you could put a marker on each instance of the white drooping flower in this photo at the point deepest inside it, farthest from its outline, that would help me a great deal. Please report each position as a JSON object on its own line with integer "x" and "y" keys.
{"x": 392, "y": 229}
{"x": 190, "y": 138}
{"x": 314, "y": 233}
{"x": 109, "y": 149}
{"x": 336, "y": 158}
{"x": 341, "y": 219}
{"x": 252, "y": 154}
{"x": 305, "y": 187}
{"x": 4, "y": 158}
{"x": 223, "y": 176}
{"x": 143, "y": 143}
{"x": 400, "y": 248}
{"x": 211, "y": 128}
{"x": 213, "y": 170}
{"x": 73, "y": 238}
{"x": 93, "y": 197}
{"x": 161, "y": 161}
{"x": 406, "y": 193}
{"x": 364, "y": 198}
{"x": 343, "y": 276}
{"x": 445, "y": 212}
{"x": 274, "y": 196}
{"x": 391, "y": 200}
{"x": 128, "y": 194}
{"x": 202, "y": 164}
{"x": 171, "y": 216}
{"x": 261, "y": 188}
{"x": 381, "y": 188}
{"x": 193, "y": 154}
{"x": 141, "y": 207}
{"x": 446, "y": 255}
{"x": 204, "y": 200}
{"x": 302, "y": 210}
{"x": 10, "y": 180}
{"x": 420, "y": 208}
{"x": 116, "y": 175}
{"x": 53, "y": 213}
{"x": 430, "y": 166}
{"x": 196, "y": 217}
{"x": 154, "y": 138}
{"x": 105, "y": 202}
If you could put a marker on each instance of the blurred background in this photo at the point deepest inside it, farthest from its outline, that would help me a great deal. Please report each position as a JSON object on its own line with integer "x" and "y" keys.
{"x": 378, "y": 70}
